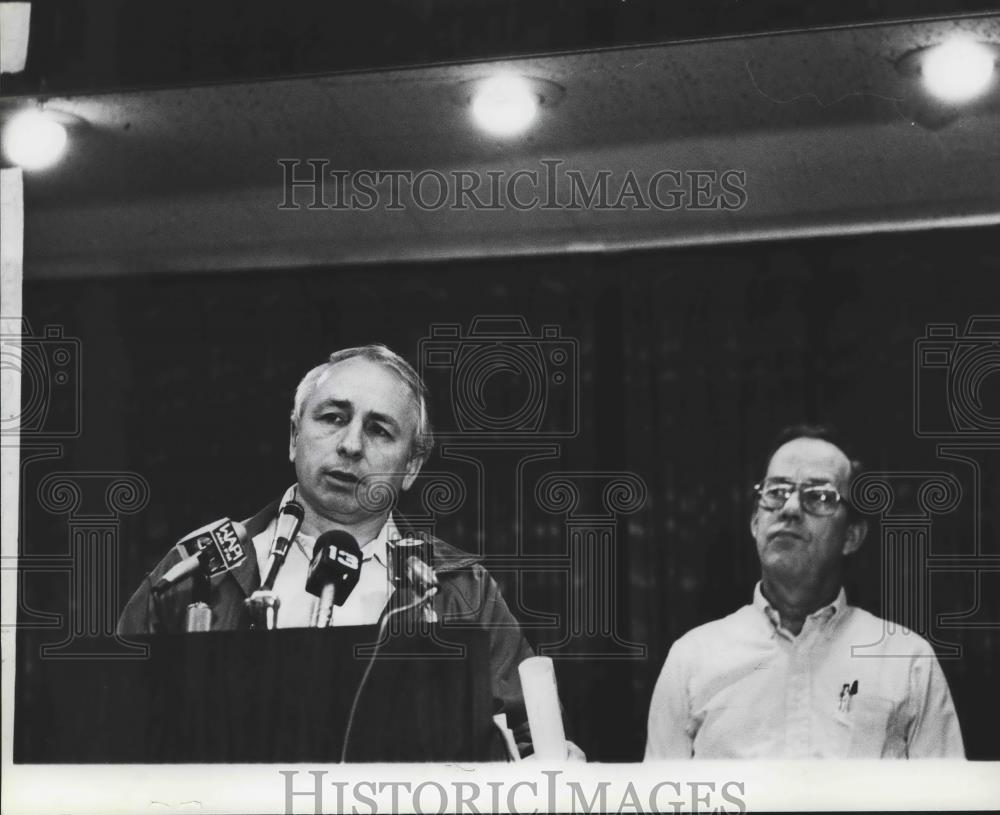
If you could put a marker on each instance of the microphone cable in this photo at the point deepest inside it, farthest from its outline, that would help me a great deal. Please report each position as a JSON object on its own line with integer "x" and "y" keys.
{"x": 371, "y": 662}
{"x": 154, "y": 609}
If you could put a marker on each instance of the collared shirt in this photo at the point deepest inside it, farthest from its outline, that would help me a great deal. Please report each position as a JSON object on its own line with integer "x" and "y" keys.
{"x": 745, "y": 687}
{"x": 364, "y": 605}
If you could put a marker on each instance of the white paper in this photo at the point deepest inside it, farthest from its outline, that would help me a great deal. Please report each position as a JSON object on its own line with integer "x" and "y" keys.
{"x": 541, "y": 698}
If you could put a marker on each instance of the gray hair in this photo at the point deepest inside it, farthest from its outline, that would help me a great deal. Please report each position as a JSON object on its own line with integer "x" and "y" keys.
{"x": 423, "y": 441}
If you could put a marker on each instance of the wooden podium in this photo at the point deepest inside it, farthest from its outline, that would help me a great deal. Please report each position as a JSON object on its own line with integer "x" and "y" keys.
{"x": 275, "y": 696}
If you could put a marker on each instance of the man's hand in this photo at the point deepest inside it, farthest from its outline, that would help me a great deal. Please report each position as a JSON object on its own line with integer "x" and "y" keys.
{"x": 573, "y": 753}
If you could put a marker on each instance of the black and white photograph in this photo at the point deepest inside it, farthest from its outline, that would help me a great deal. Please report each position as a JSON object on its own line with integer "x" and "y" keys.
{"x": 616, "y": 383}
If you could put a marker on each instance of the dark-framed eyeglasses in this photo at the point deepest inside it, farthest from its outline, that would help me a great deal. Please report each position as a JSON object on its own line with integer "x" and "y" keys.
{"x": 816, "y": 499}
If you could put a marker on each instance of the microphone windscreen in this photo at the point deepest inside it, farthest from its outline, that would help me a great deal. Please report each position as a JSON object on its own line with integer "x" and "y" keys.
{"x": 287, "y": 527}
{"x": 336, "y": 559}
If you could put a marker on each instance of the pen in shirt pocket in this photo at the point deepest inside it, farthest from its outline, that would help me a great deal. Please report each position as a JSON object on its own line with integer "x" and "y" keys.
{"x": 846, "y": 692}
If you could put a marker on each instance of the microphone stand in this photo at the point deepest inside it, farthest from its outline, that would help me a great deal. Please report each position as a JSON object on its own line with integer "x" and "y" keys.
{"x": 322, "y": 616}
{"x": 264, "y": 603}
{"x": 422, "y": 580}
{"x": 199, "y": 612}
{"x": 426, "y": 605}
{"x": 263, "y": 606}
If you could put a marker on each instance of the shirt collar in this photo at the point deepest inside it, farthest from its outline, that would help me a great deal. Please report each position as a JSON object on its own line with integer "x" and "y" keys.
{"x": 376, "y": 549}
{"x": 831, "y": 611}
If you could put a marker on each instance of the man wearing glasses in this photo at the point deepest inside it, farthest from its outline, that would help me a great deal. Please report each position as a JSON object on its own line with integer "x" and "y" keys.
{"x": 799, "y": 673}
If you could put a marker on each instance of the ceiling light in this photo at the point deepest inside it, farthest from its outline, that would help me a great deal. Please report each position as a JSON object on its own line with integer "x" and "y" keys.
{"x": 33, "y": 140}
{"x": 505, "y": 105}
{"x": 957, "y": 70}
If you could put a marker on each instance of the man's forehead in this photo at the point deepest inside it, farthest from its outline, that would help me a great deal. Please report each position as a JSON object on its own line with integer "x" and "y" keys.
{"x": 366, "y": 385}
{"x": 808, "y": 459}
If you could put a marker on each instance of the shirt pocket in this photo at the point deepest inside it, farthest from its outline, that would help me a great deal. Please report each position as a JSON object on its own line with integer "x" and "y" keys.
{"x": 866, "y": 726}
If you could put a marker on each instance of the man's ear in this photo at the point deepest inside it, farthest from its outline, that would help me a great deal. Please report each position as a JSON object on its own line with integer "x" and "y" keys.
{"x": 857, "y": 531}
{"x": 754, "y": 520}
{"x": 412, "y": 470}
{"x": 293, "y": 432}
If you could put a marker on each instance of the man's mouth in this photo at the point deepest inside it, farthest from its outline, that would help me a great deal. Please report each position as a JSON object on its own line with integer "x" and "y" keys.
{"x": 342, "y": 476}
{"x": 784, "y": 533}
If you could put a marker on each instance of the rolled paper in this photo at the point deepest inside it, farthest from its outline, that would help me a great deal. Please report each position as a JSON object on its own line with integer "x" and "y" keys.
{"x": 541, "y": 699}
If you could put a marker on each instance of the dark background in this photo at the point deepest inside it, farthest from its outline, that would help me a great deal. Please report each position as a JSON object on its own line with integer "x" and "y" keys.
{"x": 689, "y": 361}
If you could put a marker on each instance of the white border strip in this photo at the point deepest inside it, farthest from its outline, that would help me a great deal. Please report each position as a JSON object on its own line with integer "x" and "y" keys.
{"x": 11, "y": 275}
{"x": 525, "y": 787}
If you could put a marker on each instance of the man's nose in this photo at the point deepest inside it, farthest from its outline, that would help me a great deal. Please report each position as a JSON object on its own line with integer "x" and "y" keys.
{"x": 350, "y": 443}
{"x": 793, "y": 506}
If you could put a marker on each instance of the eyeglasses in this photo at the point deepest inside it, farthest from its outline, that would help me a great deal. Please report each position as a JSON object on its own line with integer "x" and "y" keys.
{"x": 816, "y": 499}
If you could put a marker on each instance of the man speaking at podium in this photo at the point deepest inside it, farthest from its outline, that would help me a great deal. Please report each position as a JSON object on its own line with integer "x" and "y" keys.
{"x": 360, "y": 433}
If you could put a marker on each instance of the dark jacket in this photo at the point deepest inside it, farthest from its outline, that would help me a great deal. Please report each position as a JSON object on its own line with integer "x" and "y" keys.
{"x": 467, "y": 594}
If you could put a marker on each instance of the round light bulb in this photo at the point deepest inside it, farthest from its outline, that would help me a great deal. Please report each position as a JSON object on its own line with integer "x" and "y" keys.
{"x": 958, "y": 70}
{"x": 504, "y": 105}
{"x": 33, "y": 141}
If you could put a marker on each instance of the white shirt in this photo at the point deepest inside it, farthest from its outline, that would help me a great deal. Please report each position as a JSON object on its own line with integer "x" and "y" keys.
{"x": 364, "y": 605}
{"x": 745, "y": 687}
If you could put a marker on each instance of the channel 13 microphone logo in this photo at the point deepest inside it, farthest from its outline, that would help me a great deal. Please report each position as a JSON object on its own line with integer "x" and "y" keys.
{"x": 956, "y": 388}
{"x": 48, "y": 366}
{"x": 501, "y": 379}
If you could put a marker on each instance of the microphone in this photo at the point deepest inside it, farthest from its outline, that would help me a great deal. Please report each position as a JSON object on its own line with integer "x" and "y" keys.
{"x": 400, "y": 552}
{"x": 199, "y": 612}
{"x": 214, "y": 549}
{"x": 423, "y": 580}
{"x": 289, "y": 522}
{"x": 333, "y": 572}
{"x": 419, "y": 575}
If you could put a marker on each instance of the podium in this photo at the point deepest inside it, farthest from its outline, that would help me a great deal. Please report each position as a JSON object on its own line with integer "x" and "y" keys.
{"x": 261, "y": 697}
